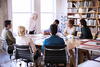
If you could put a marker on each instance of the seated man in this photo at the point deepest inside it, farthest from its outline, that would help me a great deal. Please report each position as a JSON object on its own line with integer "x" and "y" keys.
{"x": 54, "y": 39}
{"x": 47, "y": 32}
{"x": 8, "y": 36}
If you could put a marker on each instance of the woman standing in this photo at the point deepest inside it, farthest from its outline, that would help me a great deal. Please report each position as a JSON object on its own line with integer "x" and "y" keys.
{"x": 33, "y": 24}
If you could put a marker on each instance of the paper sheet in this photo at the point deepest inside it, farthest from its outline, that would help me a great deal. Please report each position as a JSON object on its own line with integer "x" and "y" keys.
{"x": 90, "y": 43}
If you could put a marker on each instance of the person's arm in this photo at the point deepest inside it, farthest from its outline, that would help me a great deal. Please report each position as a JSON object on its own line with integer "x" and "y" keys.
{"x": 74, "y": 32}
{"x": 65, "y": 32}
{"x": 33, "y": 46}
{"x": 42, "y": 48}
{"x": 10, "y": 36}
{"x": 46, "y": 32}
{"x": 82, "y": 36}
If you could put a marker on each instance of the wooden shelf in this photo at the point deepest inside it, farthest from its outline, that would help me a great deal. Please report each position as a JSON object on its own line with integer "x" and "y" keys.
{"x": 87, "y": 9}
{"x": 81, "y": 7}
{"x": 99, "y": 26}
{"x": 75, "y": 0}
{"x": 98, "y": 12}
{"x": 88, "y": 25}
{"x": 91, "y": 26}
{"x": 79, "y": 18}
{"x": 83, "y": 13}
{"x": 76, "y": 25}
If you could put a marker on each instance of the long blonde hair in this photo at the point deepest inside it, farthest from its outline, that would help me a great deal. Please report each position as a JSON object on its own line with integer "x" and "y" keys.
{"x": 21, "y": 30}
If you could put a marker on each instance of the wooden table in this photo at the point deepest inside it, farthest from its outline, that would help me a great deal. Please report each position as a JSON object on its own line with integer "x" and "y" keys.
{"x": 38, "y": 38}
{"x": 71, "y": 44}
{"x": 90, "y": 45}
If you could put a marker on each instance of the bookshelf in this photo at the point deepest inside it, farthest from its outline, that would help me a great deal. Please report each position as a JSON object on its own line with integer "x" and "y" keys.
{"x": 87, "y": 9}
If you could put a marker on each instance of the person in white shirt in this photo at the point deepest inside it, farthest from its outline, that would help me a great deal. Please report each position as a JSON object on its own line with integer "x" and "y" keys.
{"x": 70, "y": 29}
{"x": 21, "y": 39}
{"x": 33, "y": 24}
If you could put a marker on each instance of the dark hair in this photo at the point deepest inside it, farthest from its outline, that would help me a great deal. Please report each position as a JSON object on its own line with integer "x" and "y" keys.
{"x": 56, "y": 21}
{"x": 71, "y": 21}
{"x": 53, "y": 29}
{"x": 7, "y": 22}
{"x": 83, "y": 22}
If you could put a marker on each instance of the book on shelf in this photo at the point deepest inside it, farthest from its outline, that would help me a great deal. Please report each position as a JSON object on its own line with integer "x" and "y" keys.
{"x": 91, "y": 22}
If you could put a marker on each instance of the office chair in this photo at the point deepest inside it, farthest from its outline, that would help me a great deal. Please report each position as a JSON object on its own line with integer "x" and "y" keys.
{"x": 24, "y": 52}
{"x": 7, "y": 48}
{"x": 54, "y": 55}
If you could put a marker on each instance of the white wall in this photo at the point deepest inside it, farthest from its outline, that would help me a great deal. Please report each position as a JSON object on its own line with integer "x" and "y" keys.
{"x": 61, "y": 12}
{"x": 9, "y": 5}
{"x": 3, "y": 13}
{"x": 61, "y": 8}
{"x": 37, "y": 9}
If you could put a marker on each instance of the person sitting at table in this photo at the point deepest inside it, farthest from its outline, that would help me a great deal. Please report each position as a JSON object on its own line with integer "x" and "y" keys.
{"x": 54, "y": 39}
{"x": 70, "y": 31}
{"x": 47, "y": 32}
{"x": 85, "y": 31}
{"x": 21, "y": 39}
{"x": 85, "y": 34}
{"x": 70, "y": 28}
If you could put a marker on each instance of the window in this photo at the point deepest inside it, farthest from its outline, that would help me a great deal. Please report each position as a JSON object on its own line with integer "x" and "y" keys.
{"x": 47, "y": 13}
{"x": 23, "y": 9}
{"x": 21, "y": 13}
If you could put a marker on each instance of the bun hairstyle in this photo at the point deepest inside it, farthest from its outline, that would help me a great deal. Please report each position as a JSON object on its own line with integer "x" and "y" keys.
{"x": 21, "y": 30}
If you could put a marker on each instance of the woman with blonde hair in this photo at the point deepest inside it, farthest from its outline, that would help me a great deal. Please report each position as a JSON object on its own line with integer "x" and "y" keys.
{"x": 21, "y": 39}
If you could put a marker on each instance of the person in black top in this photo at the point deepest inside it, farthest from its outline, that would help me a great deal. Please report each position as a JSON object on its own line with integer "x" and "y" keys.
{"x": 85, "y": 34}
{"x": 85, "y": 30}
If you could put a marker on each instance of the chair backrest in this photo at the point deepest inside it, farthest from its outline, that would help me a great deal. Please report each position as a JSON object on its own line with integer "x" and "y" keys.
{"x": 55, "y": 54}
{"x": 24, "y": 52}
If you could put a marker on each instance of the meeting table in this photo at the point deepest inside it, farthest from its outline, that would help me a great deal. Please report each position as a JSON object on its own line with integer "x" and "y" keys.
{"x": 72, "y": 43}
